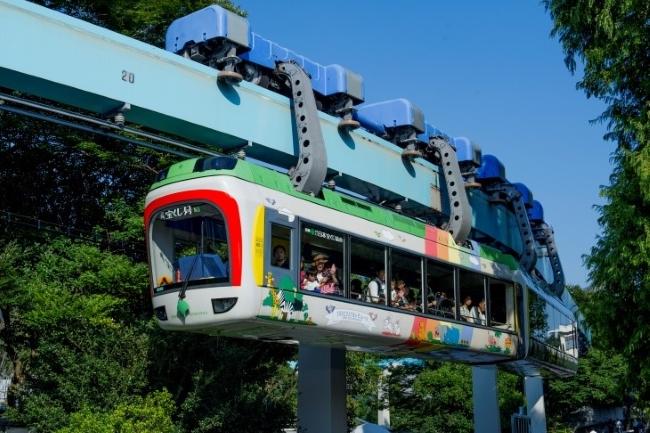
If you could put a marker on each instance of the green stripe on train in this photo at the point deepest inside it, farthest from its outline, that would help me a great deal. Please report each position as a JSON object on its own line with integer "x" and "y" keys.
{"x": 280, "y": 182}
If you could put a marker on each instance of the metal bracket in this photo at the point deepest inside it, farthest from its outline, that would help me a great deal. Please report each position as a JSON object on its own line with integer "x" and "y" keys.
{"x": 460, "y": 212}
{"x": 227, "y": 64}
{"x": 117, "y": 114}
{"x": 508, "y": 193}
{"x": 310, "y": 171}
{"x": 544, "y": 235}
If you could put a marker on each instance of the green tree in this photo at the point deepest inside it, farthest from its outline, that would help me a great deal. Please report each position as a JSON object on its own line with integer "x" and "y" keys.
{"x": 362, "y": 380}
{"x": 437, "y": 397}
{"x": 78, "y": 329}
{"x": 599, "y": 383}
{"x": 612, "y": 40}
{"x": 70, "y": 333}
{"x": 151, "y": 414}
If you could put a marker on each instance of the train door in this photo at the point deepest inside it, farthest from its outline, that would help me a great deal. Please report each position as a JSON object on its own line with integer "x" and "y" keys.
{"x": 282, "y": 263}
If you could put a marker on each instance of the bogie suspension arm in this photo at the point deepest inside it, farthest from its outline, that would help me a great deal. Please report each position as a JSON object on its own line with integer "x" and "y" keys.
{"x": 311, "y": 169}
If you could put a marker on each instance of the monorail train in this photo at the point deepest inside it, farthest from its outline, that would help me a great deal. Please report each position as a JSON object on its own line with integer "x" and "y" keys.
{"x": 234, "y": 250}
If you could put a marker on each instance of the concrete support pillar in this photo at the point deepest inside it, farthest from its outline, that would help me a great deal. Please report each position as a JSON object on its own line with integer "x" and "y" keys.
{"x": 486, "y": 399}
{"x": 534, "y": 390}
{"x": 383, "y": 413}
{"x": 321, "y": 390}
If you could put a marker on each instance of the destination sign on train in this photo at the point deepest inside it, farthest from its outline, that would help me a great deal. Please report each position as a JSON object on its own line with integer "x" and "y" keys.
{"x": 180, "y": 212}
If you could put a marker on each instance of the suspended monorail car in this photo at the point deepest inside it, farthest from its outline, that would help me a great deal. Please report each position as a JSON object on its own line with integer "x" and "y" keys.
{"x": 234, "y": 250}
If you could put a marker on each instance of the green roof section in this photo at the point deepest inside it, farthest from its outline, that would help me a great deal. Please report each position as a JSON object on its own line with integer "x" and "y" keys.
{"x": 331, "y": 199}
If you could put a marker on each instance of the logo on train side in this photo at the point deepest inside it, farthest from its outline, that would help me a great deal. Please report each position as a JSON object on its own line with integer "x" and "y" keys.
{"x": 391, "y": 327}
{"x": 335, "y": 316}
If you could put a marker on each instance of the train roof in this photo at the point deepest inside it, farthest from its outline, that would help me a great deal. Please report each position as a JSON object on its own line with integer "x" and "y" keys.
{"x": 203, "y": 167}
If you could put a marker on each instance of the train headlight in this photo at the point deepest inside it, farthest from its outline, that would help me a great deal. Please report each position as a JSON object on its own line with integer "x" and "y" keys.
{"x": 160, "y": 313}
{"x": 221, "y": 305}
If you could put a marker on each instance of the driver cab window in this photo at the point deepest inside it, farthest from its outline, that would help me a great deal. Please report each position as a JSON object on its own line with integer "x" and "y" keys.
{"x": 280, "y": 246}
{"x": 188, "y": 244}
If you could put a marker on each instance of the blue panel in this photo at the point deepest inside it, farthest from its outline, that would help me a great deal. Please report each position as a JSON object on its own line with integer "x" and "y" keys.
{"x": 336, "y": 81}
{"x": 202, "y": 266}
{"x": 325, "y": 80}
{"x": 200, "y": 26}
{"x": 467, "y": 152}
{"x": 390, "y": 114}
{"x": 491, "y": 170}
{"x": 213, "y": 23}
{"x": 536, "y": 212}
{"x": 261, "y": 52}
{"x": 526, "y": 195}
{"x": 432, "y": 131}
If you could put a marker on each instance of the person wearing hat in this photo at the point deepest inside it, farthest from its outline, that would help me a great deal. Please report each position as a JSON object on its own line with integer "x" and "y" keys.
{"x": 326, "y": 276}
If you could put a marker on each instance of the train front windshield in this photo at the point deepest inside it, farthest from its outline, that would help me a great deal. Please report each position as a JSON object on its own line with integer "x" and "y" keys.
{"x": 188, "y": 245}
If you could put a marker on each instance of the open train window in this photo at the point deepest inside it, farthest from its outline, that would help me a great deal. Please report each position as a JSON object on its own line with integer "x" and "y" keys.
{"x": 502, "y": 304}
{"x": 367, "y": 271}
{"x": 322, "y": 253}
{"x": 405, "y": 281}
{"x": 472, "y": 297}
{"x": 188, "y": 244}
{"x": 440, "y": 290}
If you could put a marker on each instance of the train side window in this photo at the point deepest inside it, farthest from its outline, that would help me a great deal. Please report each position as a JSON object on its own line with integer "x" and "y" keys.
{"x": 502, "y": 304}
{"x": 440, "y": 290}
{"x": 367, "y": 271}
{"x": 405, "y": 281}
{"x": 322, "y": 259}
{"x": 537, "y": 318}
{"x": 280, "y": 246}
{"x": 472, "y": 297}
{"x": 552, "y": 337}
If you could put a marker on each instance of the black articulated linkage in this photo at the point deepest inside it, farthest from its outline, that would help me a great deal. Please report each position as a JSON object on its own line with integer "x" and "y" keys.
{"x": 510, "y": 194}
{"x": 311, "y": 169}
{"x": 545, "y": 236}
{"x": 460, "y": 212}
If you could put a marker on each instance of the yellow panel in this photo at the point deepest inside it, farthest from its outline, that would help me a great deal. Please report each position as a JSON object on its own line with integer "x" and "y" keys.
{"x": 454, "y": 255}
{"x": 258, "y": 246}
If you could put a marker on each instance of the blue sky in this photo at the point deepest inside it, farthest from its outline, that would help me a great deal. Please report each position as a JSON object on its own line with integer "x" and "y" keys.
{"x": 485, "y": 70}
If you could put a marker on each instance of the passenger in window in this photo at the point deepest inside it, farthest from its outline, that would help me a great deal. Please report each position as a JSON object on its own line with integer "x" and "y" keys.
{"x": 393, "y": 291}
{"x": 329, "y": 286}
{"x": 377, "y": 288}
{"x": 320, "y": 260}
{"x": 310, "y": 283}
{"x": 466, "y": 310}
{"x": 478, "y": 313}
{"x": 280, "y": 257}
{"x": 326, "y": 275}
{"x": 441, "y": 305}
{"x": 402, "y": 300}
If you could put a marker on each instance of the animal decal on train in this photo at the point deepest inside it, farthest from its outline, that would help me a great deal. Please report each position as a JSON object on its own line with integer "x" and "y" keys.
{"x": 285, "y": 303}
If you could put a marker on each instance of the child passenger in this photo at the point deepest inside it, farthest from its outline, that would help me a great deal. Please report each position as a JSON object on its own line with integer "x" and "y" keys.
{"x": 310, "y": 283}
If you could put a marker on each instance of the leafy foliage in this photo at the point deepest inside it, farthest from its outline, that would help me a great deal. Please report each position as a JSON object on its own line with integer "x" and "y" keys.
{"x": 70, "y": 340}
{"x": 437, "y": 398}
{"x": 600, "y": 382}
{"x": 141, "y": 415}
{"x": 224, "y": 385}
{"x": 362, "y": 379}
{"x": 612, "y": 39}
